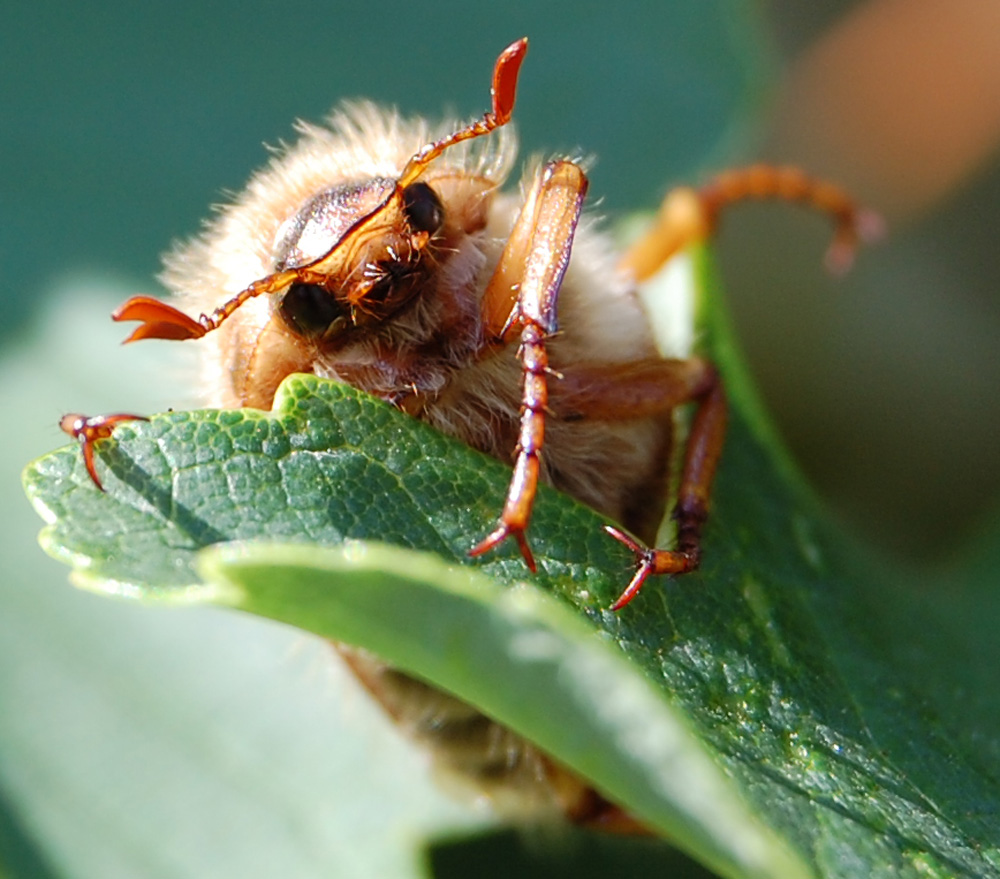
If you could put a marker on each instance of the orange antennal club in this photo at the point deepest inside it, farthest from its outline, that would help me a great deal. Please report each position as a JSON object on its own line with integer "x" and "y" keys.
{"x": 503, "y": 93}
{"x": 162, "y": 321}
{"x": 159, "y": 320}
{"x": 505, "y": 73}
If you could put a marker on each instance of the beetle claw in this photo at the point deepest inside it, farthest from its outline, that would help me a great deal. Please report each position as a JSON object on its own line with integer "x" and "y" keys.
{"x": 90, "y": 428}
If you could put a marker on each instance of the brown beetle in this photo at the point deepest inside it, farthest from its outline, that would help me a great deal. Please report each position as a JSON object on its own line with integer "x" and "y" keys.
{"x": 372, "y": 253}
{"x": 383, "y": 253}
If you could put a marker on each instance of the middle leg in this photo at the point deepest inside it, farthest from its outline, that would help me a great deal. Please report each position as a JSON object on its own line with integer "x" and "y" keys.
{"x": 643, "y": 389}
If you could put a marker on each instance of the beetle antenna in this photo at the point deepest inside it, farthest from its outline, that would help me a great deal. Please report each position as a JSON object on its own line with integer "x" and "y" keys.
{"x": 503, "y": 93}
{"x": 162, "y": 321}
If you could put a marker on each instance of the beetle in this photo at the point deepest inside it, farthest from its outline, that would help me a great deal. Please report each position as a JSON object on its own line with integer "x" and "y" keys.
{"x": 382, "y": 252}
{"x": 379, "y": 254}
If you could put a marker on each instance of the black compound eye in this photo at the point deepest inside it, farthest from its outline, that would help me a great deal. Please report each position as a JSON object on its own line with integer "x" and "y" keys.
{"x": 423, "y": 208}
{"x": 309, "y": 309}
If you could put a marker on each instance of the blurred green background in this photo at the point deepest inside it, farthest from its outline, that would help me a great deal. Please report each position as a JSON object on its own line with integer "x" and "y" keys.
{"x": 120, "y": 124}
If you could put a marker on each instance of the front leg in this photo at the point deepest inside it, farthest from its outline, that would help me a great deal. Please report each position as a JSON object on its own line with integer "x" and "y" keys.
{"x": 88, "y": 429}
{"x": 523, "y": 293}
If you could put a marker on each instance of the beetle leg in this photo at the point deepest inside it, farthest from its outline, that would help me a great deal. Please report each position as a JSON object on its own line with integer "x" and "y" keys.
{"x": 90, "y": 428}
{"x": 688, "y": 216}
{"x": 701, "y": 457}
{"x": 633, "y": 389}
{"x": 522, "y": 294}
{"x": 645, "y": 388}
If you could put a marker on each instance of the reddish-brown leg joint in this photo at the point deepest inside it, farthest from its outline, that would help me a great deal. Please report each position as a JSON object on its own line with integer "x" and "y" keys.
{"x": 89, "y": 429}
{"x": 688, "y": 216}
{"x": 852, "y": 223}
{"x": 523, "y": 292}
{"x": 701, "y": 458}
{"x": 521, "y": 494}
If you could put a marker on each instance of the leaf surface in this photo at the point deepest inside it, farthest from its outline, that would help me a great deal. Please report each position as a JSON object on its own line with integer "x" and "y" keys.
{"x": 758, "y": 698}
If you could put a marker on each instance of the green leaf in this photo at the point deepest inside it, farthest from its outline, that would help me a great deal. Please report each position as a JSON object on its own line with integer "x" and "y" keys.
{"x": 520, "y": 656}
{"x": 764, "y": 689}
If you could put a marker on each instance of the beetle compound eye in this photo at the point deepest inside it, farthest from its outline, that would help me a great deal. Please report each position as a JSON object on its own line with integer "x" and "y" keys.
{"x": 422, "y": 208}
{"x": 309, "y": 309}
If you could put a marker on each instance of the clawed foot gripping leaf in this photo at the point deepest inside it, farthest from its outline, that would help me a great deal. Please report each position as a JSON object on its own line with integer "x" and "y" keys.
{"x": 760, "y": 713}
